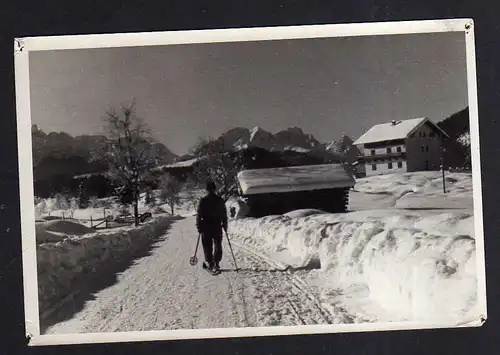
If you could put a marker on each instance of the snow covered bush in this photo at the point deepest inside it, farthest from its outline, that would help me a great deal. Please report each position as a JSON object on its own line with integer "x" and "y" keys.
{"x": 464, "y": 139}
{"x": 60, "y": 202}
{"x": 41, "y": 207}
{"x": 94, "y": 202}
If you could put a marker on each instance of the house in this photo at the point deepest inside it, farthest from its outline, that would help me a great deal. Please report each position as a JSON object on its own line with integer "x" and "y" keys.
{"x": 400, "y": 146}
{"x": 281, "y": 190}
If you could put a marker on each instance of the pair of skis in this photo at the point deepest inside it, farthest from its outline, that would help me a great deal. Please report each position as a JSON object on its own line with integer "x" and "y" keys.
{"x": 194, "y": 260}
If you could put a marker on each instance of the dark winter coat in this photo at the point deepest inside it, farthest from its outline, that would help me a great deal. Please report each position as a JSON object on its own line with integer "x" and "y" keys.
{"x": 212, "y": 214}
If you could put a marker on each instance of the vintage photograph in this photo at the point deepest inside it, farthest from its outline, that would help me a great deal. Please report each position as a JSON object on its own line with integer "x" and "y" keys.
{"x": 258, "y": 183}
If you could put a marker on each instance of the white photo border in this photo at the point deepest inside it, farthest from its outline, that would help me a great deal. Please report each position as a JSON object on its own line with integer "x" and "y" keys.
{"x": 22, "y": 47}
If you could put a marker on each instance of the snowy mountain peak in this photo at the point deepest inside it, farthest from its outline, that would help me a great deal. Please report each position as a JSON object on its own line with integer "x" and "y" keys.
{"x": 261, "y": 138}
{"x": 292, "y": 139}
{"x": 254, "y": 131}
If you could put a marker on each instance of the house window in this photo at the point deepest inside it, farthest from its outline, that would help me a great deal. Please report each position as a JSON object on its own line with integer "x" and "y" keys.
{"x": 412, "y": 135}
{"x": 373, "y": 151}
{"x": 422, "y": 148}
{"x": 374, "y": 167}
{"x": 423, "y": 134}
{"x": 400, "y": 164}
{"x": 389, "y": 151}
{"x": 432, "y": 134}
{"x": 427, "y": 148}
{"x": 398, "y": 149}
{"x": 389, "y": 165}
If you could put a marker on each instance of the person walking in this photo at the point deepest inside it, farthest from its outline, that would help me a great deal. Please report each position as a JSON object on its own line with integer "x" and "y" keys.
{"x": 211, "y": 219}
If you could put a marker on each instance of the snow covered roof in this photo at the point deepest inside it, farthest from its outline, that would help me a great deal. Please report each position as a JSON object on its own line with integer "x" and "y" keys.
{"x": 294, "y": 178}
{"x": 390, "y": 131}
{"x": 86, "y": 176}
{"x": 179, "y": 164}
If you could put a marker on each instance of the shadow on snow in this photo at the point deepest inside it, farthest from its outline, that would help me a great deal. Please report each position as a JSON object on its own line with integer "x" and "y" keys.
{"x": 87, "y": 285}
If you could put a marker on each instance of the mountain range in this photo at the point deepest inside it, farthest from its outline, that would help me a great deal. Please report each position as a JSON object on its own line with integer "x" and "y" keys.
{"x": 58, "y": 153}
{"x": 292, "y": 139}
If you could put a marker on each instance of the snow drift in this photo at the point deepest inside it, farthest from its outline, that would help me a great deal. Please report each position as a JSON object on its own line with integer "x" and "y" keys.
{"x": 418, "y": 190}
{"x": 57, "y": 230}
{"x": 412, "y": 266}
{"x": 77, "y": 259}
{"x": 423, "y": 184}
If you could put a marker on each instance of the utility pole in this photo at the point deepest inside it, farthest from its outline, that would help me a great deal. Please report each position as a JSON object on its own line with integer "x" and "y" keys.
{"x": 442, "y": 168}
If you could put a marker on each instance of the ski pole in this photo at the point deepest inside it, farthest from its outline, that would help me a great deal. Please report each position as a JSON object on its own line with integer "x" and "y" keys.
{"x": 230, "y": 247}
{"x": 194, "y": 260}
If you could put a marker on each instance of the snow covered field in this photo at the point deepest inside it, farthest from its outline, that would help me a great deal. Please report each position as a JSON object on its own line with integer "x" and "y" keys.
{"x": 106, "y": 207}
{"x": 418, "y": 190}
{"x": 382, "y": 262}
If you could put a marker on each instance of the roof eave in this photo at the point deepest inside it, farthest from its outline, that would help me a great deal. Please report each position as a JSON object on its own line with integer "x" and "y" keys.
{"x": 427, "y": 120}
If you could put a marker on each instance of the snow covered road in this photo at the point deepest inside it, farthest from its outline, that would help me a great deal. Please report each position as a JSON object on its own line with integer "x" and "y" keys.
{"x": 162, "y": 291}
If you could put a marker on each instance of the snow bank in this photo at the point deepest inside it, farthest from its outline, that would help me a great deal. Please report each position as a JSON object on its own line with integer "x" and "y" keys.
{"x": 414, "y": 266}
{"x": 76, "y": 259}
{"x": 57, "y": 230}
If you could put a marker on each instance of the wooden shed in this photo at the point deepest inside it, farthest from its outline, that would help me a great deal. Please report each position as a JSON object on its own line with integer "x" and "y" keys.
{"x": 281, "y": 190}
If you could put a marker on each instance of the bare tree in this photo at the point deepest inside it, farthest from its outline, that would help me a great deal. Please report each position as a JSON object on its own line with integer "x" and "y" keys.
{"x": 216, "y": 164}
{"x": 170, "y": 189}
{"x": 129, "y": 153}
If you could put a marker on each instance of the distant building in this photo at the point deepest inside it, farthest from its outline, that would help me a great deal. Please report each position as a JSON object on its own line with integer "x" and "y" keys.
{"x": 400, "y": 146}
{"x": 281, "y": 190}
{"x": 181, "y": 169}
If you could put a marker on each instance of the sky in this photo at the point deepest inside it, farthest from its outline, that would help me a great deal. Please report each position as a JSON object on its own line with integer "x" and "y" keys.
{"x": 327, "y": 87}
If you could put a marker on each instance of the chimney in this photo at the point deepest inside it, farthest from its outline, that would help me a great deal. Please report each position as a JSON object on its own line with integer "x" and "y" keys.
{"x": 393, "y": 122}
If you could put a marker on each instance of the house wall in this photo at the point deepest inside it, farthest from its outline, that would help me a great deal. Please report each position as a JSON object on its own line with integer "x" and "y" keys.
{"x": 383, "y": 167}
{"x": 382, "y": 157}
{"x": 383, "y": 150}
{"x": 359, "y": 170}
{"x": 423, "y": 150}
{"x": 328, "y": 200}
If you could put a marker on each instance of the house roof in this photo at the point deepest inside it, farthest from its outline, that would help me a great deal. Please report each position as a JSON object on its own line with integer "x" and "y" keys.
{"x": 294, "y": 178}
{"x": 389, "y": 131}
{"x": 179, "y": 164}
{"x": 86, "y": 176}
